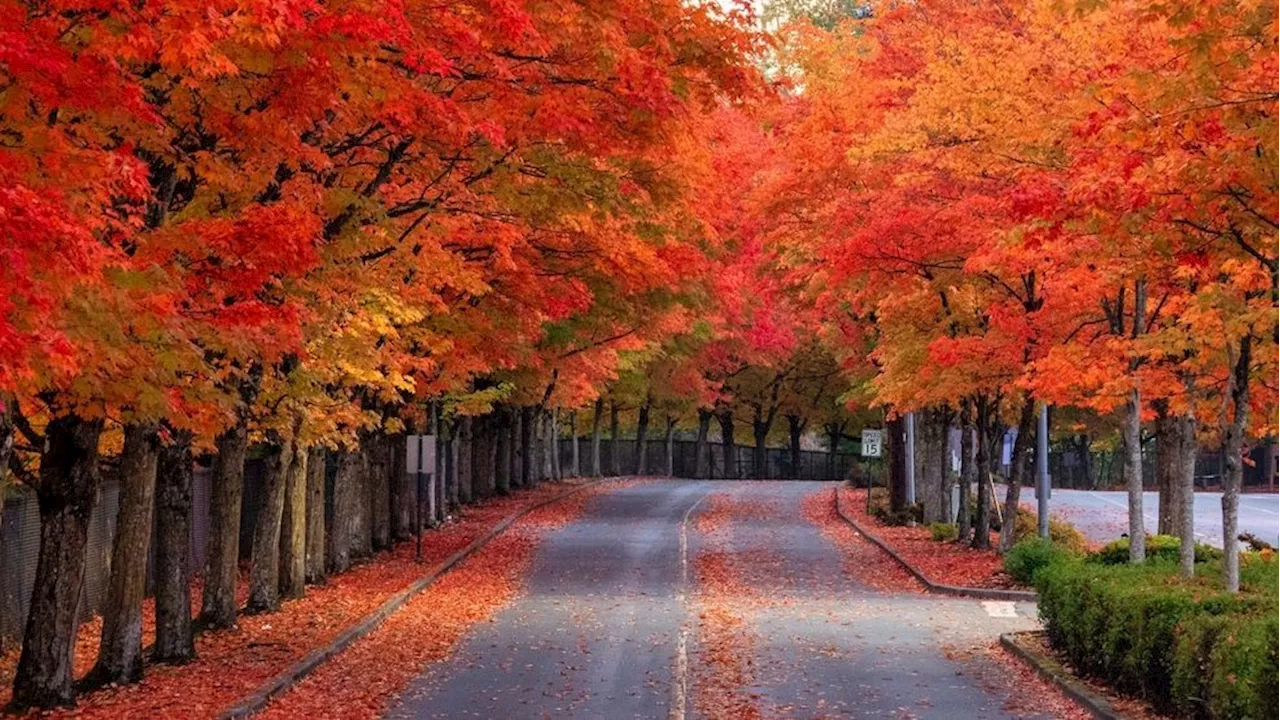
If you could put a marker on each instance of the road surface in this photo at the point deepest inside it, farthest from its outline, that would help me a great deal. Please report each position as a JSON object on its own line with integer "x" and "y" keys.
{"x": 620, "y": 619}
{"x": 1103, "y": 515}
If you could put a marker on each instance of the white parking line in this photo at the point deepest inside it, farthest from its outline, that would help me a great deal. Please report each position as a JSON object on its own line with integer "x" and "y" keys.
{"x": 1000, "y": 609}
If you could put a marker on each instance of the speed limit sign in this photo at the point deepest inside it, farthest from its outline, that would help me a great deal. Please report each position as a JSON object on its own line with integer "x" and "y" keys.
{"x": 872, "y": 440}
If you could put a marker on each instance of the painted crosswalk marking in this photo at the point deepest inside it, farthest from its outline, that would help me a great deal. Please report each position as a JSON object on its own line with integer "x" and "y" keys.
{"x": 999, "y": 608}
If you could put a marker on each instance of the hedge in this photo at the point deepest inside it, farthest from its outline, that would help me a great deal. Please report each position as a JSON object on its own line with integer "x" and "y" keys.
{"x": 1187, "y": 647}
{"x": 1159, "y": 547}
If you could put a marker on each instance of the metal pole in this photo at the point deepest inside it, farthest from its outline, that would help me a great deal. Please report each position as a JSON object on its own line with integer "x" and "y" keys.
{"x": 1042, "y": 471}
{"x": 911, "y": 458}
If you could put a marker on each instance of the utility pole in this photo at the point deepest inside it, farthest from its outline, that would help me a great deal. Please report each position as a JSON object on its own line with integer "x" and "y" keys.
{"x": 911, "y": 458}
{"x": 1042, "y": 471}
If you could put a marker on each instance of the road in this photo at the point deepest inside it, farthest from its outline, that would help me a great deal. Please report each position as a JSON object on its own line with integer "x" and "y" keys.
{"x": 1103, "y": 515}
{"x": 622, "y": 617}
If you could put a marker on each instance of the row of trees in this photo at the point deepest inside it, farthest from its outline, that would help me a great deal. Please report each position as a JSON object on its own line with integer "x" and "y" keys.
{"x": 993, "y": 206}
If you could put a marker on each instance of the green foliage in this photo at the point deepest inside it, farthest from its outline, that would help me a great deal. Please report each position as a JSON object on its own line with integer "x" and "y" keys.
{"x": 1029, "y": 556}
{"x": 1187, "y": 647}
{"x": 944, "y": 532}
{"x": 1063, "y": 533}
{"x": 1159, "y": 548}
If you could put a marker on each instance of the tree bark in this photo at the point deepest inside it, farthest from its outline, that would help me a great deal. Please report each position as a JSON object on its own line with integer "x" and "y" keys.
{"x": 466, "y": 456}
{"x": 642, "y": 439}
{"x": 380, "y": 490}
{"x": 451, "y": 463}
{"x": 726, "y": 442}
{"x": 701, "y": 454}
{"x": 264, "y": 576}
{"x": 362, "y": 509}
{"x": 120, "y": 646}
{"x": 66, "y": 493}
{"x": 982, "y": 464}
{"x": 1021, "y": 464}
{"x": 896, "y": 447}
{"x": 615, "y": 446}
{"x": 548, "y": 445}
{"x": 931, "y": 436}
{"x": 345, "y": 498}
{"x": 315, "y": 513}
{"x": 175, "y": 640}
{"x": 484, "y": 455}
{"x": 293, "y": 527}
{"x": 1186, "y": 478}
{"x": 501, "y": 470}
{"x": 515, "y": 433}
{"x": 795, "y": 429}
{"x": 1233, "y": 446}
{"x": 968, "y": 470}
{"x": 402, "y": 488}
{"x": 1133, "y": 440}
{"x": 222, "y": 557}
{"x": 528, "y": 418}
{"x": 671, "y": 447}
{"x": 576, "y": 470}
{"x": 557, "y": 471}
{"x": 834, "y": 431}
{"x": 596, "y": 468}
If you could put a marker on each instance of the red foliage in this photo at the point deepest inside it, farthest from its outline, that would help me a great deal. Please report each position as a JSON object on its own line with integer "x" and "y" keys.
{"x": 947, "y": 563}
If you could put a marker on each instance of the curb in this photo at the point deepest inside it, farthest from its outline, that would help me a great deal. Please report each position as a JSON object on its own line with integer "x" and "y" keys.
{"x": 1053, "y": 671}
{"x": 931, "y": 586}
{"x": 260, "y": 698}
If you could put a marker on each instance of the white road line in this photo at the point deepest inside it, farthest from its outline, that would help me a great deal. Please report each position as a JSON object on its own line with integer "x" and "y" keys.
{"x": 680, "y": 687}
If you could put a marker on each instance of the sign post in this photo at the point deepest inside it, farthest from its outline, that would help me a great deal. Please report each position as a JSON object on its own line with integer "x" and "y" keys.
{"x": 419, "y": 461}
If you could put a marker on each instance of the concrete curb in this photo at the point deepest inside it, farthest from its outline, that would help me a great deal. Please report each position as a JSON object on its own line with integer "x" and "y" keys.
{"x": 257, "y": 700}
{"x": 1053, "y": 671}
{"x": 931, "y": 586}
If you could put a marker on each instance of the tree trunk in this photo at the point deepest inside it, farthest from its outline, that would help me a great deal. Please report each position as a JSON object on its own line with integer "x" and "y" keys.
{"x": 615, "y": 447}
{"x": 795, "y": 429}
{"x": 218, "y": 603}
{"x": 576, "y": 469}
{"x": 1132, "y": 431}
{"x": 982, "y": 465}
{"x": 834, "y": 430}
{"x": 548, "y": 445}
{"x": 596, "y": 468}
{"x": 726, "y": 442}
{"x": 760, "y": 455}
{"x": 293, "y": 527}
{"x": 701, "y": 456}
{"x": 66, "y": 493}
{"x": 401, "y": 488}
{"x": 556, "y": 470}
{"x": 514, "y": 435}
{"x": 175, "y": 640}
{"x": 346, "y": 493}
{"x": 968, "y": 470}
{"x": 264, "y": 577}
{"x": 946, "y": 477}
{"x": 466, "y": 456}
{"x": 120, "y": 646}
{"x": 362, "y": 517}
{"x": 528, "y": 419}
{"x": 896, "y": 447}
{"x": 502, "y": 468}
{"x": 1233, "y": 446}
{"x": 315, "y": 514}
{"x": 451, "y": 463}
{"x": 671, "y": 447}
{"x": 484, "y": 434}
{"x": 1170, "y": 438}
{"x": 931, "y": 437}
{"x": 1186, "y": 478}
{"x": 1021, "y": 463}
{"x": 642, "y": 438}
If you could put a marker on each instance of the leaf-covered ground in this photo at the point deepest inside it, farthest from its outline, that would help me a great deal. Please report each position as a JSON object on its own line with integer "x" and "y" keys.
{"x": 232, "y": 663}
{"x": 948, "y": 563}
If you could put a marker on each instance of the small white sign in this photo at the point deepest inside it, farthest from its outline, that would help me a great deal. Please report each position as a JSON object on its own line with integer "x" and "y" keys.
{"x": 872, "y": 440}
{"x": 1000, "y": 609}
{"x": 420, "y": 454}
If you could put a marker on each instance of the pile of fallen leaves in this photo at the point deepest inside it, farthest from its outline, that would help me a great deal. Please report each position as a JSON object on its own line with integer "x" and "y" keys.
{"x": 947, "y": 563}
{"x": 862, "y": 560}
{"x": 363, "y": 680}
{"x": 230, "y": 664}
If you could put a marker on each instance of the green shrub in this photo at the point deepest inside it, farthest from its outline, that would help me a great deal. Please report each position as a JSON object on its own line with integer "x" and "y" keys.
{"x": 1185, "y": 646}
{"x": 1159, "y": 547}
{"x": 1030, "y": 556}
{"x": 1063, "y": 533}
{"x": 944, "y": 532}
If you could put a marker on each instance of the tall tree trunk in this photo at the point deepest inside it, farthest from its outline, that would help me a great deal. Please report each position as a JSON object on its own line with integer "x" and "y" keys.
{"x": 834, "y": 430}
{"x": 528, "y": 419}
{"x": 175, "y": 639}
{"x": 380, "y": 490}
{"x": 896, "y": 446}
{"x": 671, "y": 446}
{"x": 218, "y": 603}
{"x": 1233, "y": 446}
{"x": 642, "y": 438}
{"x": 615, "y": 446}
{"x": 726, "y": 442}
{"x": 795, "y": 429}
{"x": 548, "y": 445}
{"x": 556, "y": 471}
{"x": 1088, "y": 469}
{"x": 451, "y": 463}
{"x": 932, "y": 435}
{"x": 596, "y": 468}
{"x": 760, "y": 426}
{"x": 293, "y": 526}
{"x": 346, "y": 492}
{"x": 701, "y": 454}
{"x": 501, "y": 470}
{"x": 968, "y": 470}
{"x": 1167, "y": 460}
{"x": 982, "y": 463}
{"x": 576, "y": 469}
{"x": 483, "y": 456}
{"x": 466, "y": 457}
{"x": 315, "y": 513}
{"x": 1186, "y": 478}
{"x": 120, "y": 646}
{"x": 264, "y": 577}
{"x": 66, "y": 493}
{"x": 514, "y": 434}
{"x": 402, "y": 488}
{"x": 362, "y": 517}
{"x": 1133, "y": 439}
{"x": 946, "y": 476}
{"x": 1021, "y": 464}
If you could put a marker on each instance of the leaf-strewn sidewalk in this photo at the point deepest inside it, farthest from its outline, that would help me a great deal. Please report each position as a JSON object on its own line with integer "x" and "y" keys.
{"x": 232, "y": 663}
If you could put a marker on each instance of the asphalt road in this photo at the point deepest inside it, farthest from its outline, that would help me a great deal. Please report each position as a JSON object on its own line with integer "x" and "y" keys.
{"x": 610, "y": 625}
{"x": 1103, "y": 515}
